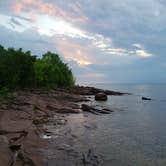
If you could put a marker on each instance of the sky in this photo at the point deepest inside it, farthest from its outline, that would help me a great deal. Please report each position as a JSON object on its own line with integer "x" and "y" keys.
{"x": 103, "y": 41}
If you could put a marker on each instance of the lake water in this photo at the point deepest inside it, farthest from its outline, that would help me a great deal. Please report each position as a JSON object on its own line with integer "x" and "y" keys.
{"x": 133, "y": 135}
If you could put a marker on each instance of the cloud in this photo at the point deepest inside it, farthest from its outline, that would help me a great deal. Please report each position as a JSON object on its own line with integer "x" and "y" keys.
{"x": 15, "y": 22}
{"x": 143, "y": 53}
{"x": 137, "y": 45}
{"x": 24, "y": 18}
{"x": 51, "y": 19}
{"x": 140, "y": 50}
{"x": 72, "y": 50}
{"x": 50, "y": 8}
{"x": 18, "y": 7}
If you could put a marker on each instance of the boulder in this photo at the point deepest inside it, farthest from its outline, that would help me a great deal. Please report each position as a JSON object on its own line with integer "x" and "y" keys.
{"x": 85, "y": 107}
{"x": 101, "y": 96}
{"x": 146, "y": 98}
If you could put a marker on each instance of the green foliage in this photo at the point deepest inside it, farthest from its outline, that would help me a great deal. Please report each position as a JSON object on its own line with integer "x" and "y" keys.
{"x": 52, "y": 72}
{"x": 4, "y": 91}
{"x": 16, "y": 68}
{"x": 20, "y": 69}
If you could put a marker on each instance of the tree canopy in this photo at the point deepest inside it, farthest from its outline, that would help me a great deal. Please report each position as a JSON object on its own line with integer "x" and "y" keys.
{"x": 19, "y": 69}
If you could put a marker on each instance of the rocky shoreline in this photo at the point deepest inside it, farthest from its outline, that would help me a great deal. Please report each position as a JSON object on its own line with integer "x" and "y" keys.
{"x": 24, "y": 113}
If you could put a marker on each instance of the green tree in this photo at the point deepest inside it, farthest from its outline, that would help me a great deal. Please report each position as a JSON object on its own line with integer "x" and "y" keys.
{"x": 52, "y": 72}
{"x": 17, "y": 68}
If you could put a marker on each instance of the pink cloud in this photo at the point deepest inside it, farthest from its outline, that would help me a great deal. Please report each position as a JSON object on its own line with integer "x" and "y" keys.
{"x": 18, "y": 7}
{"x": 41, "y": 7}
{"x": 73, "y": 51}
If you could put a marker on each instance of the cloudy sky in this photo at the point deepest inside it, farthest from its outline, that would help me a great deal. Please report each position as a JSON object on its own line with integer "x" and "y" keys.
{"x": 117, "y": 41}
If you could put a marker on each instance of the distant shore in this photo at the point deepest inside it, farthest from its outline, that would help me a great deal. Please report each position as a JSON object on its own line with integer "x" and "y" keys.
{"x": 23, "y": 114}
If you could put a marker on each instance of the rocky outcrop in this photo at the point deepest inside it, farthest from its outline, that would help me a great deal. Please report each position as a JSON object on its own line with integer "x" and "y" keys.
{"x": 86, "y": 90}
{"x": 101, "y": 96}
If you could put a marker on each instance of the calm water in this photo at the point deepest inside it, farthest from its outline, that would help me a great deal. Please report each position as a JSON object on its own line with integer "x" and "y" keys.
{"x": 135, "y": 134}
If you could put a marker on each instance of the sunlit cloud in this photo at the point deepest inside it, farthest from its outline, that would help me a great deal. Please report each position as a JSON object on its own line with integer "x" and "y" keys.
{"x": 74, "y": 51}
{"x": 50, "y": 26}
{"x": 140, "y": 50}
{"x": 100, "y": 41}
{"x": 118, "y": 51}
{"x": 143, "y": 53}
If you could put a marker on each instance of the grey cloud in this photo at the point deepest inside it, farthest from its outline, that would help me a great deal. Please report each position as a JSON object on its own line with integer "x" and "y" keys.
{"x": 24, "y": 18}
{"x": 28, "y": 40}
{"x": 12, "y": 25}
{"x": 15, "y": 22}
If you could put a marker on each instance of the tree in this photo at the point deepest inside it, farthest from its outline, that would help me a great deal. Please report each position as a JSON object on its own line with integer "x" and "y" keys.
{"x": 52, "y": 72}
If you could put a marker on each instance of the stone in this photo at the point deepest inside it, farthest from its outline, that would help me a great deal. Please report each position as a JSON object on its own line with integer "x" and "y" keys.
{"x": 145, "y": 98}
{"x": 101, "y": 97}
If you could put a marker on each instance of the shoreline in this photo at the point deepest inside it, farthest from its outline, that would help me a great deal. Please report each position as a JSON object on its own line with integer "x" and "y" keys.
{"x": 24, "y": 113}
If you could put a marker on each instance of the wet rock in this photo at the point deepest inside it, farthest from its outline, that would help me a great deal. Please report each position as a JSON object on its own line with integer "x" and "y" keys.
{"x": 15, "y": 147}
{"x": 94, "y": 110}
{"x": 85, "y": 107}
{"x": 90, "y": 159}
{"x": 66, "y": 147}
{"x": 101, "y": 96}
{"x": 90, "y": 109}
{"x": 68, "y": 110}
{"x": 146, "y": 98}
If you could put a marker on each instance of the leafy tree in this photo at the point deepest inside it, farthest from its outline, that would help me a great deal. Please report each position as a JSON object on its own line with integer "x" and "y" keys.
{"x": 52, "y": 72}
{"x": 17, "y": 68}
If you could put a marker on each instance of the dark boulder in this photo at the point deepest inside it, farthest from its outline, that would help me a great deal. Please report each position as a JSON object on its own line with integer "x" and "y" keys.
{"x": 85, "y": 107}
{"x": 145, "y": 98}
{"x": 101, "y": 96}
